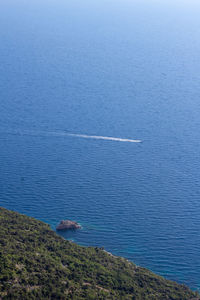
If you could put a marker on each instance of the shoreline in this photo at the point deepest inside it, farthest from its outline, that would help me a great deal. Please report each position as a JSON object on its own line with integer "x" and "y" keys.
{"x": 28, "y": 243}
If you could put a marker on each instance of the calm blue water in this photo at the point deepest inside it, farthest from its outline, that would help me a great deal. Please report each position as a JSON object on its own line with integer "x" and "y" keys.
{"x": 128, "y": 69}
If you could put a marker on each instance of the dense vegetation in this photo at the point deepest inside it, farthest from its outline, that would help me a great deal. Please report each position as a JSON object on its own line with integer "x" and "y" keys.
{"x": 36, "y": 263}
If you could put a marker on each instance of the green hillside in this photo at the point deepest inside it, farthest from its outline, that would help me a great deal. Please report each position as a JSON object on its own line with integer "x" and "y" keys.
{"x": 36, "y": 263}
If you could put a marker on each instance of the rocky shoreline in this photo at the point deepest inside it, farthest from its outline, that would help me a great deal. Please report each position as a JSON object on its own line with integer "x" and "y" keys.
{"x": 68, "y": 225}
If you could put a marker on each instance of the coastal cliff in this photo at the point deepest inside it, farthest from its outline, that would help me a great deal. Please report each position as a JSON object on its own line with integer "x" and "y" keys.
{"x": 36, "y": 263}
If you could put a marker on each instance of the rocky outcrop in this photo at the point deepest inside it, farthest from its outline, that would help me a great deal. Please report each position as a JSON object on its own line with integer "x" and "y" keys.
{"x": 67, "y": 224}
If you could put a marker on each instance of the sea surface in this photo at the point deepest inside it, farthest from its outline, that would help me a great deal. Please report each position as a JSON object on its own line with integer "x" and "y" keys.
{"x": 127, "y": 69}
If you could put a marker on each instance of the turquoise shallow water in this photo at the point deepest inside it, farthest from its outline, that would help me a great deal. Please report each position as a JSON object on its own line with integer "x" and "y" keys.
{"x": 110, "y": 68}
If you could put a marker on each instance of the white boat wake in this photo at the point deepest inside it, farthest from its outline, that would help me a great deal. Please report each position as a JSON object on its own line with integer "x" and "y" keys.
{"x": 107, "y": 138}
{"x": 65, "y": 133}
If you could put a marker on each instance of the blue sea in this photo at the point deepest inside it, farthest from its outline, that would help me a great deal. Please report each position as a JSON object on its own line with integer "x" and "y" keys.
{"x": 125, "y": 69}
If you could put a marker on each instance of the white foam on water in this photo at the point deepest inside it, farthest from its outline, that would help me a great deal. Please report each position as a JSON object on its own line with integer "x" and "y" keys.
{"x": 107, "y": 138}
{"x": 65, "y": 133}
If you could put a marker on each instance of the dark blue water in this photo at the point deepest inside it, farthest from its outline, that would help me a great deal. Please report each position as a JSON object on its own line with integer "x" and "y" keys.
{"x": 128, "y": 69}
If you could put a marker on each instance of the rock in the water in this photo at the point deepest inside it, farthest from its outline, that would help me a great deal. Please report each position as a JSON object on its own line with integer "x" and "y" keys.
{"x": 67, "y": 224}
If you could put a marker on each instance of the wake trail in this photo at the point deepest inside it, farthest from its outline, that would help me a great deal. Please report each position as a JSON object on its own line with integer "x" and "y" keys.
{"x": 107, "y": 138}
{"x": 65, "y": 133}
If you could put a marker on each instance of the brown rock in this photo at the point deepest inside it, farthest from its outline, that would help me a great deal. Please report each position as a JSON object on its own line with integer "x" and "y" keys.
{"x": 67, "y": 224}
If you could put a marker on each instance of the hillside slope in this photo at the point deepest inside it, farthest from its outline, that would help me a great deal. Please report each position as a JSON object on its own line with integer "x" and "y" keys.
{"x": 36, "y": 263}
